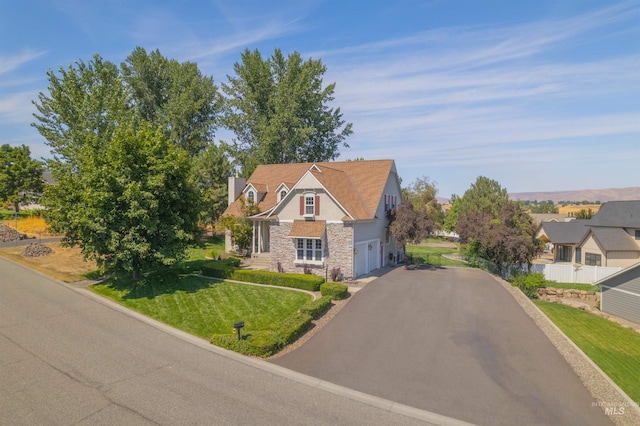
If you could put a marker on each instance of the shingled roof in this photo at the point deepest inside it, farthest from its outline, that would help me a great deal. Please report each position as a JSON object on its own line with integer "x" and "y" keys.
{"x": 356, "y": 185}
{"x": 618, "y": 214}
{"x": 570, "y": 232}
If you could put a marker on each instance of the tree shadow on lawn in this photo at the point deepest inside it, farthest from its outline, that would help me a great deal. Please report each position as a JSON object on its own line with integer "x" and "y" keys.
{"x": 167, "y": 280}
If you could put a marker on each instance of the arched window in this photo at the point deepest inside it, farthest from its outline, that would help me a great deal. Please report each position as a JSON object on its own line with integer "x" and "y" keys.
{"x": 283, "y": 193}
{"x": 251, "y": 197}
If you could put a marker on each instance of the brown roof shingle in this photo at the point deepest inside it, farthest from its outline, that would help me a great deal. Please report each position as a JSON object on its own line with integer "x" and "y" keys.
{"x": 357, "y": 185}
{"x": 308, "y": 228}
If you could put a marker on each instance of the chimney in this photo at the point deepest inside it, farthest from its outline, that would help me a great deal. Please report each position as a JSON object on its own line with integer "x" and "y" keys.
{"x": 236, "y": 185}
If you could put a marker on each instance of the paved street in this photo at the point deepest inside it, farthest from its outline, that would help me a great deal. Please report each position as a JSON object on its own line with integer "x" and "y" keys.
{"x": 67, "y": 358}
{"x": 451, "y": 341}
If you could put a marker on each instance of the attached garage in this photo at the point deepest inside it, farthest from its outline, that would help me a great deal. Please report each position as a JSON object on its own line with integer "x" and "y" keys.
{"x": 621, "y": 294}
{"x": 366, "y": 257}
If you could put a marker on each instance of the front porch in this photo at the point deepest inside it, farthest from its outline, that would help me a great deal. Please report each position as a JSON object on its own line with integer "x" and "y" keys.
{"x": 257, "y": 261}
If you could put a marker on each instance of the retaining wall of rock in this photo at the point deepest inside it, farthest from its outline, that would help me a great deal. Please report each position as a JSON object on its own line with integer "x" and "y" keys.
{"x": 553, "y": 294}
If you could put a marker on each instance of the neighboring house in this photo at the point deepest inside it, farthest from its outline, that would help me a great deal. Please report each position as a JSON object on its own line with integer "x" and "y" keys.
{"x": 564, "y": 236}
{"x": 614, "y": 236}
{"x": 620, "y": 294}
{"x": 321, "y": 216}
{"x": 539, "y": 218}
{"x": 610, "y": 238}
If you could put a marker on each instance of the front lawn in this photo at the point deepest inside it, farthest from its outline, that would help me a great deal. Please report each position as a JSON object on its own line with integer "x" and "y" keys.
{"x": 615, "y": 349}
{"x": 433, "y": 255}
{"x": 204, "y": 307}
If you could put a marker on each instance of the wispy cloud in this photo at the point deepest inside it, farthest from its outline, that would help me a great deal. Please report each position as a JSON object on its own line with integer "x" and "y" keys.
{"x": 17, "y": 107}
{"x": 11, "y": 63}
{"x": 460, "y": 93}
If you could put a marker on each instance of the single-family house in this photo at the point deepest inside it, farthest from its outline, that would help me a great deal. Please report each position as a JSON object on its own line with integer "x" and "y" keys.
{"x": 564, "y": 237}
{"x": 610, "y": 238}
{"x": 620, "y": 293}
{"x": 539, "y": 218}
{"x": 613, "y": 238}
{"x": 321, "y": 216}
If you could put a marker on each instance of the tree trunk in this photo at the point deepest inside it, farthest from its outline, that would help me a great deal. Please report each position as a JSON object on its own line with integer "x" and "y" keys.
{"x": 137, "y": 274}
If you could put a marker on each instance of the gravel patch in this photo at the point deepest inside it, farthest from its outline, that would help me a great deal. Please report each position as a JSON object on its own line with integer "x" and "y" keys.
{"x": 620, "y": 409}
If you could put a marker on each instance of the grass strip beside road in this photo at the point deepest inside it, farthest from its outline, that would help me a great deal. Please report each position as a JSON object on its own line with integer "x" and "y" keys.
{"x": 201, "y": 307}
{"x": 613, "y": 348}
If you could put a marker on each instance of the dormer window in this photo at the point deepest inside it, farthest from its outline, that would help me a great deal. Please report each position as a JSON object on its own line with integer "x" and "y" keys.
{"x": 283, "y": 193}
{"x": 251, "y": 196}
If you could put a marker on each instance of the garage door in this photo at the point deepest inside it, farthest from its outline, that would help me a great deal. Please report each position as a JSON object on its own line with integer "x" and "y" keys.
{"x": 361, "y": 259}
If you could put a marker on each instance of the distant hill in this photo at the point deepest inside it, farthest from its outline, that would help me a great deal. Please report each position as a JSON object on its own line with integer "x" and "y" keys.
{"x": 603, "y": 195}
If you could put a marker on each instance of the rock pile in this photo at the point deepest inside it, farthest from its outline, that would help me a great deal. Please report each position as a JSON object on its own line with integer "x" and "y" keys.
{"x": 552, "y": 294}
{"x": 9, "y": 234}
{"x": 36, "y": 250}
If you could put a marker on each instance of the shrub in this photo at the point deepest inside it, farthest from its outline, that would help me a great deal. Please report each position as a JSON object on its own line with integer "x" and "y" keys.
{"x": 317, "y": 307}
{"x": 336, "y": 274}
{"x": 264, "y": 343}
{"x": 211, "y": 254}
{"x": 336, "y": 291}
{"x": 529, "y": 283}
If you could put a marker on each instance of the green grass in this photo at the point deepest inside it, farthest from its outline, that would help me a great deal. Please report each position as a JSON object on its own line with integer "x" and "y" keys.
{"x": 575, "y": 286}
{"x": 203, "y": 307}
{"x": 615, "y": 349}
{"x": 178, "y": 297}
{"x": 433, "y": 255}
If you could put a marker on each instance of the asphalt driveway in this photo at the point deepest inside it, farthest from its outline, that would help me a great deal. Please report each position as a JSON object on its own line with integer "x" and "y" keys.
{"x": 451, "y": 341}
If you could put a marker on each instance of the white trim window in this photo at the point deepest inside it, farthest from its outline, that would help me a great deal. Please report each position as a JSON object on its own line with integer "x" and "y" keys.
{"x": 251, "y": 197}
{"x": 308, "y": 250}
{"x": 309, "y": 204}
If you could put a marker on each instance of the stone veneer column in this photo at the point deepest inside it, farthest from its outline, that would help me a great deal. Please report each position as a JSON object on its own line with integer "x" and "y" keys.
{"x": 340, "y": 248}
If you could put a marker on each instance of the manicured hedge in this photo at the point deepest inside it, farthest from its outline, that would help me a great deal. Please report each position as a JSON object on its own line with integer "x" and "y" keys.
{"x": 317, "y": 307}
{"x": 336, "y": 291}
{"x": 264, "y": 343}
{"x": 301, "y": 281}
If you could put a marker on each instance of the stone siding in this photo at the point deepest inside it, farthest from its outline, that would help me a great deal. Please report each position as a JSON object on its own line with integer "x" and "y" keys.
{"x": 338, "y": 249}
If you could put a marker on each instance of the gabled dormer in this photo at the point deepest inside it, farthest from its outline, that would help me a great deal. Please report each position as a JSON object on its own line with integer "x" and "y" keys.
{"x": 281, "y": 191}
{"x": 254, "y": 192}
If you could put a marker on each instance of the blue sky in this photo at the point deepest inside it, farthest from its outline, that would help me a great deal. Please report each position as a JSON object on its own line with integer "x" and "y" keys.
{"x": 538, "y": 95}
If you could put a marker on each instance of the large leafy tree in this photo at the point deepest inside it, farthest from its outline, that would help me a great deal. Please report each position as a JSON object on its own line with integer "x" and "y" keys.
{"x": 175, "y": 96}
{"x": 508, "y": 238}
{"x": 131, "y": 206}
{"x": 484, "y": 195}
{"x": 125, "y": 194}
{"x": 211, "y": 170}
{"x": 408, "y": 225}
{"x": 422, "y": 194}
{"x": 19, "y": 174}
{"x": 280, "y": 113}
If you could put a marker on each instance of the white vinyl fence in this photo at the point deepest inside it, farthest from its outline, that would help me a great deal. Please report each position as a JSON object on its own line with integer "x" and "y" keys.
{"x": 574, "y": 274}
